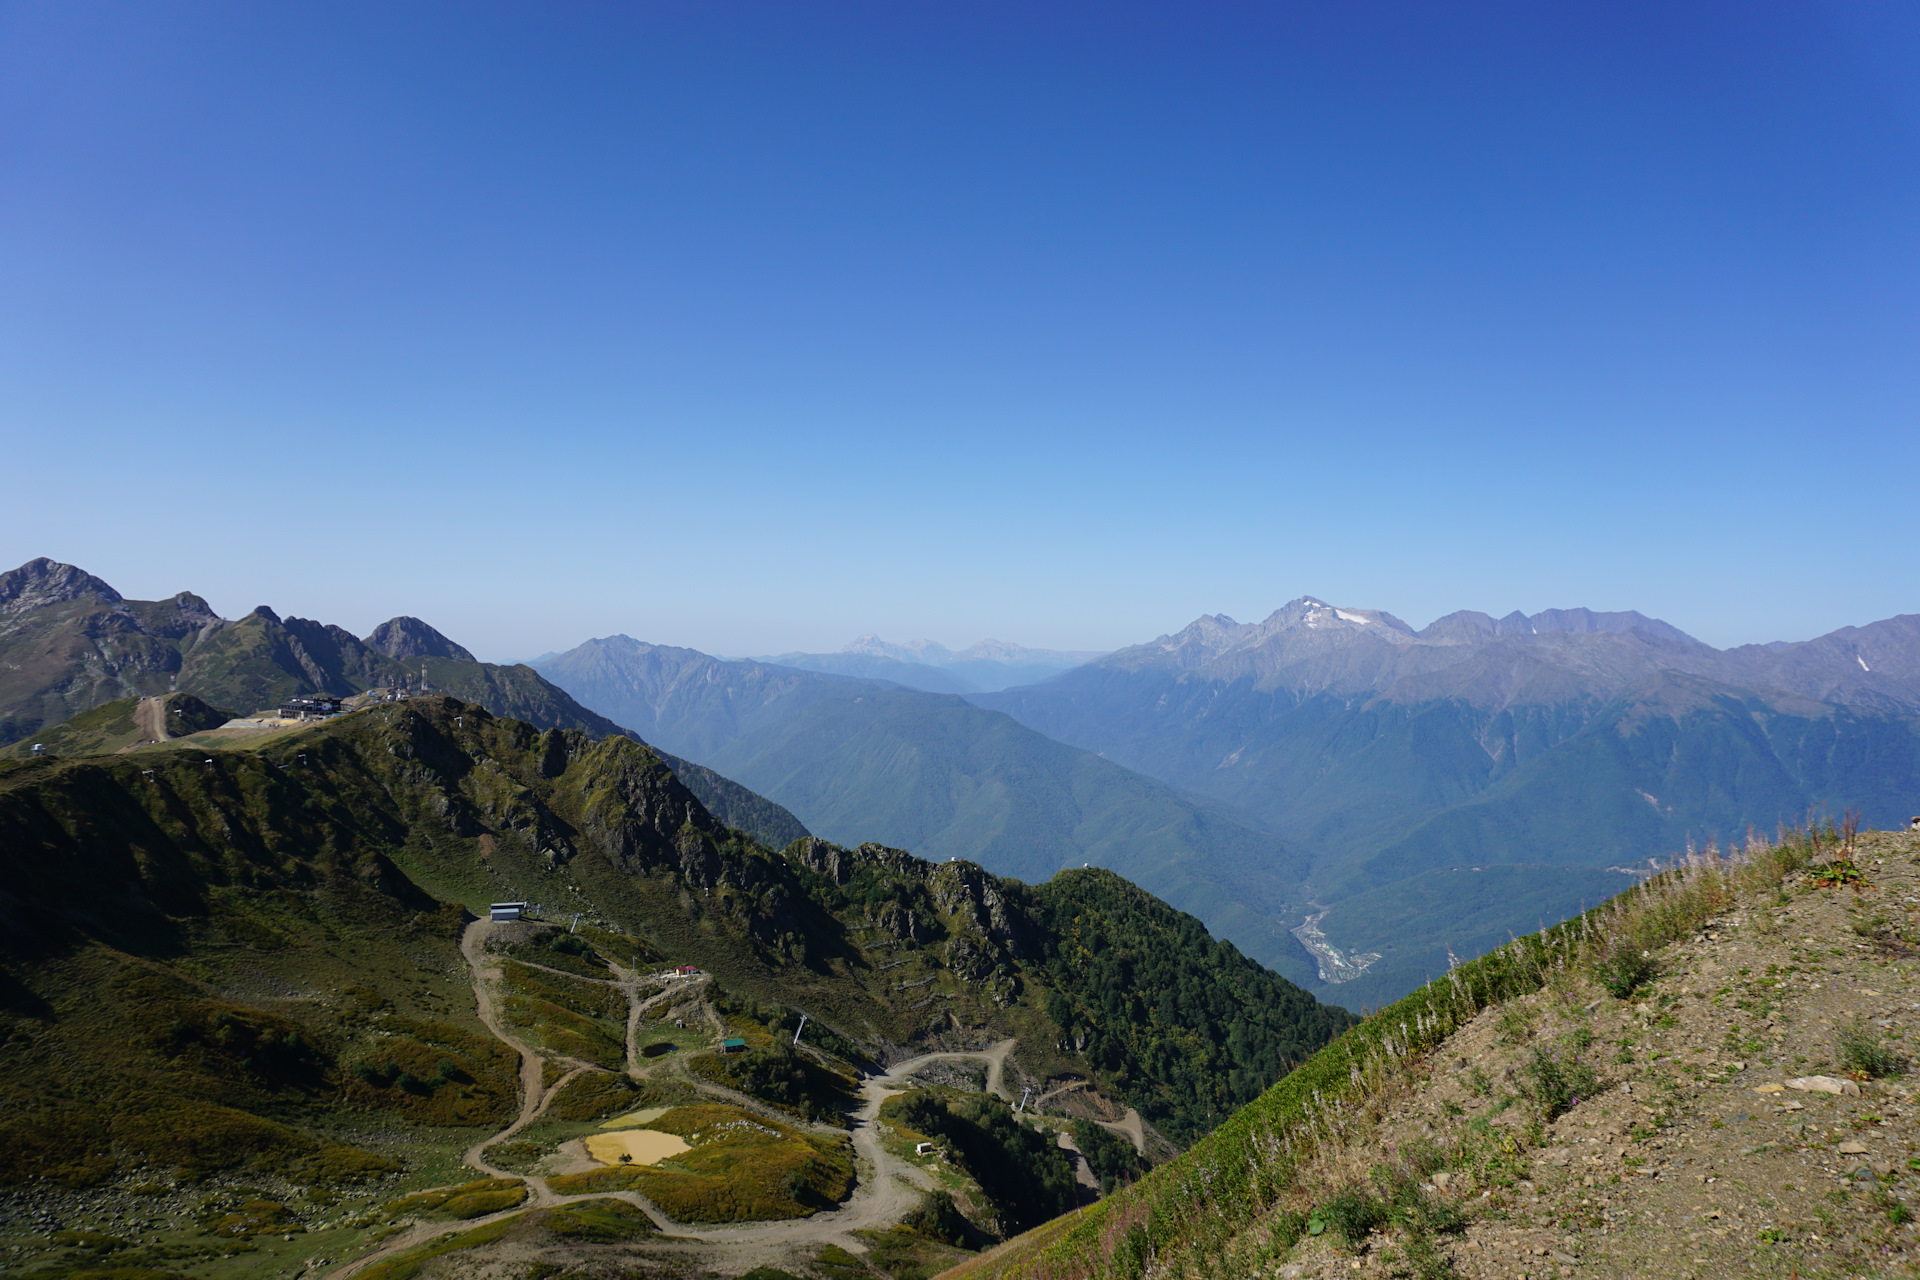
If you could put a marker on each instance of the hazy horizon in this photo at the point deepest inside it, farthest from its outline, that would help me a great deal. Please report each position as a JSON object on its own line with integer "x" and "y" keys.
{"x": 361, "y": 623}
{"x": 756, "y": 327}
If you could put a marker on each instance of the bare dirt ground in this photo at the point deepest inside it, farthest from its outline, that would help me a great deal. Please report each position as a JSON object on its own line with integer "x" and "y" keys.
{"x": 1702, "y": 1151}
{"x": 150, "y": 717}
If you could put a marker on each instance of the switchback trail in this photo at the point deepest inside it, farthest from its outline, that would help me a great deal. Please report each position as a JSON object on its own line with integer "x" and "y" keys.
{"x": 886, "y": 1187}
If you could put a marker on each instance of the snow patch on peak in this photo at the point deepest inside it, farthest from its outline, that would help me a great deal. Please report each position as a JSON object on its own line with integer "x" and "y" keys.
{"x": 1352, "y": 617}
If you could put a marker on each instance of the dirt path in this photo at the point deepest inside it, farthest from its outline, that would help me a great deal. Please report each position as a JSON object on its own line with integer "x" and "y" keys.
{"x": 637, "y": 1008}
{"x": 577, "y": 977}
{"x": 995, "y": 1056}
{"x": 1128, "y": 1126}
{"x": 885, "y": 1190}
{"x": 533, "y": 1094}
{"x": 150, "y": 717}
{"x": 1082, "y": 1172}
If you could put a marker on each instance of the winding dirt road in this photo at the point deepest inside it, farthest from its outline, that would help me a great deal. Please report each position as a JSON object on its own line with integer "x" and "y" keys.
{"x": 886, "y": 1188}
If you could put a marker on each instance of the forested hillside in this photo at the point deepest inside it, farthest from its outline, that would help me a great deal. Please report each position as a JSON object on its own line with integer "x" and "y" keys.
{"x": 929, "y": 772}
{"x": 345, "y": 845}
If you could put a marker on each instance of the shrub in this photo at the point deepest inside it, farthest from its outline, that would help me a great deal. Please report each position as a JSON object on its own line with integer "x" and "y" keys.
{"x": 777, "y": 1074}
{"x": 1860, "y": 1050}
{"x": 1555, "y": 1083}
{"x": 468, "y": 1200}
{"x": 572, "y": 944}
{"x": 1288, "y": 1227}
{"x": 480, "y": 1204}
{"x": 348, "y": 1164}
{"x": 939, "y": 1218}
{"x": 602, "y": 1221}
{"x": 1353, "y": 1214}
{"x": 1111, "y": 1157}
{"x": 594, "y": 1095}
{"x": 1516, "y": 1023}
{"x": 1623, "y": 970}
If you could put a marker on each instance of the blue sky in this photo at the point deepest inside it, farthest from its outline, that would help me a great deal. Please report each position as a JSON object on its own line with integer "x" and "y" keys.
{"x": 754, "y": 327}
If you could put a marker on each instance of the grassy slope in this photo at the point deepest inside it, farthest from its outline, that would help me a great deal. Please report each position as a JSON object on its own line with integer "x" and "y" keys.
{"x": 58, "y": 661}
{"x": 1188, "y": 1211}
{"x": 265, "y": 858}
{"x": 69, "y": 661}
{"x": 111, "y": 727}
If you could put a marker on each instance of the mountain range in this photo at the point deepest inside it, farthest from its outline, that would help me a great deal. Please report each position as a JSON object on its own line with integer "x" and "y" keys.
{"x": 1480, "y": 760}
{"x": 862, "y": 759}
{"x": 70, "y": 643}
{"x": 984, "y": 667}
{"x": 1360, "y": 802}
{"x": 1350, "y": 800}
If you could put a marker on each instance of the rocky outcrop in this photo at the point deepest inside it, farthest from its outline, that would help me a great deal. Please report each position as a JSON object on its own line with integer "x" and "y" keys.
{"x": 406, "y": 637}
{"x": 42, "y": 582}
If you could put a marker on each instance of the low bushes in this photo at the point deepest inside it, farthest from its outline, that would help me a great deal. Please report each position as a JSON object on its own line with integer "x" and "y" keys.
{"x": 1555, "y": 1080}
{"x": 468, "y": 1200}
{"x": 1111, "y": 1157}
{"x": 1861, "y": 1050}
{"x": 741, "y": 1169}
{"x": 594, "y": 1095}
{"x": 778, "y": 1075}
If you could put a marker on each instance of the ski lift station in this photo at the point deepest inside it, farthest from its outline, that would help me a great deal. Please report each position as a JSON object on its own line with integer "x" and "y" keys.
{"x": 507, "y": 911}
{"x": 318, "y": 707}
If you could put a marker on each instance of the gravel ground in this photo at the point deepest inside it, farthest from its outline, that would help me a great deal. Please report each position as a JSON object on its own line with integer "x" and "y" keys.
{"x": 1694, "y": 1156}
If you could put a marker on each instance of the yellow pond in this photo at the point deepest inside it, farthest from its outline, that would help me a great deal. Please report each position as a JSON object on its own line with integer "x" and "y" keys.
{"x": 645, "y": 1146}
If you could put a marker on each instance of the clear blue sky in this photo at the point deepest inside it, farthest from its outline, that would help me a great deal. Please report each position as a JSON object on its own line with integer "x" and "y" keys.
{"x": 753, "y": 327}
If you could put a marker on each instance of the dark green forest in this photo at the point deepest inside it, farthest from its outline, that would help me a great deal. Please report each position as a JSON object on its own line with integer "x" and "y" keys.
{"x": 1027, "y": 1177}
{"x": 1186, "y": 1027}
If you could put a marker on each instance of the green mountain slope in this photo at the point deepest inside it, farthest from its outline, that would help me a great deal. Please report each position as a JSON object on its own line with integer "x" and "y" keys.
{"x": 265, "y": 921}
{"x": 931, "y": 772}
{"x": 69, "y": 643}
{"x": 122, "y": 724}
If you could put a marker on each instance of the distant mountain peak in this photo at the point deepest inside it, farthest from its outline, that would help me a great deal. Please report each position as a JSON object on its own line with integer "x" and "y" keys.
{"x": 1310, "y": 612}
{"x": 1472, "y": 626}
{"x": 41, "y": 582}
{"x": 928, "y": 651}
{"x": 406, "y": 637}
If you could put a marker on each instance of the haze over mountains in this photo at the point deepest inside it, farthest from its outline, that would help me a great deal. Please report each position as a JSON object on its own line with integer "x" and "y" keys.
{"x": 1346, "y": 798}
{"x": 984, "y": 667}
{"x": 1542, "y": 749}
{"x": 1415, "y": 792}
{"x": 936, "y": 774}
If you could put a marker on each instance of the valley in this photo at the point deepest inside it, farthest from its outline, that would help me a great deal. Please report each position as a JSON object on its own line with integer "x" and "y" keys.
{"x": 244, "y": 987}
{"x": 256, "y": 1019}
